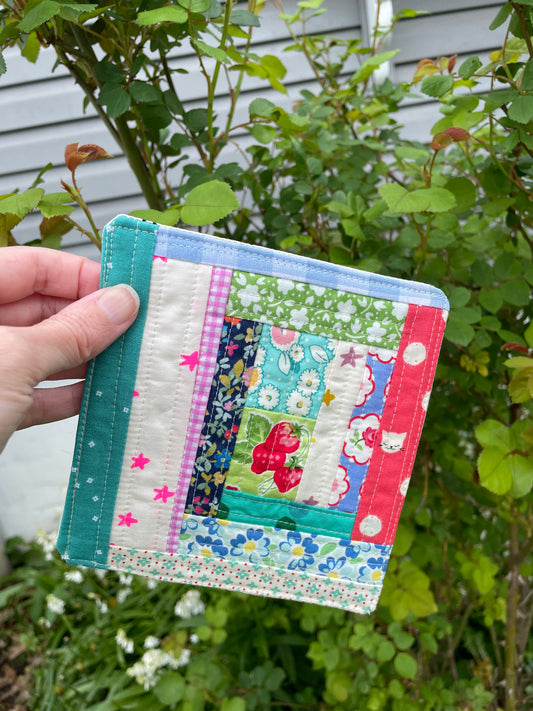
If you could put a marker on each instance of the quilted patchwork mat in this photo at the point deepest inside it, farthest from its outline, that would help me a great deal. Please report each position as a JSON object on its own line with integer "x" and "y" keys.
{"x": 256, "y": 428}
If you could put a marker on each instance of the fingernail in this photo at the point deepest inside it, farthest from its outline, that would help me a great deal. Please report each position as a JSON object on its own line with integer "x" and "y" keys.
{"x": 119, "y": 303}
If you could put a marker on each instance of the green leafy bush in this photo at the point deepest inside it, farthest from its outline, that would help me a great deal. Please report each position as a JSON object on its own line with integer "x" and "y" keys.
{"x": 334, "y": 179}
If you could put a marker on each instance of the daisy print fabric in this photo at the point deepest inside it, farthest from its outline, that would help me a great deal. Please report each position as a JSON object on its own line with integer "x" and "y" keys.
{"x": 255, "y": 429}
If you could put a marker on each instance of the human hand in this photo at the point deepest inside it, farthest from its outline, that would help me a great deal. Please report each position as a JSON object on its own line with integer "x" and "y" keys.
{"x": 52, "y": 321}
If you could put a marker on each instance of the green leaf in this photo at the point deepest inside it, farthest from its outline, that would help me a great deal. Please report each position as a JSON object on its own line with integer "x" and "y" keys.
{"x": 261, "y": 107}
{"x": 257, "y": 429}
{"x": 328, "y": 548}
{"x": 528, "y": 335}
{"x": 233, "y": 704}
{"x": 503, "y": 14}
{"x": 516, "y": 292}
{"x": 340, "y": 255}
{"x": 526, "y": 82}
{"x": 369, "y": 66}
{"x": 521, "y": 110}
{"x": 458, "y": 296}
{"x": 494, "y": 471}
{"x": 197, "y": 6}
{"x": 55, "y": 204}
{"x": 436, "y": 85}
{"x": 210, "y": 51}
{"x": 400, "y": 201}
{"x": 38, "y": 15}
{"x": 208, "y": 203}
{"x": 143, "y": 91}
{"x": 168, "y": 217}
{"x": 21, "y": 204}
{"x": 491, "y": 299}
{"x": 115, "y": 98}
{"x": 493, "y": 433}
{"x": 406, "y": 665}
{"x": 521, "y": 386}
{"x": 196, "y": 120}
{"x": 264, "y": 134}
{"x": 244, "y": 18}
{"x": 469, "y": 67}
{"x": 31, "y": 48}
{"x": 3, "y": 67}
{"x": 168, "y": 13}
{"x": 459, "y": 332}
{"x": 170, "y": 687}
{"x": 522, "y": 469}
{"x": 385, "y": 651}
{"x": 464, "y": 192}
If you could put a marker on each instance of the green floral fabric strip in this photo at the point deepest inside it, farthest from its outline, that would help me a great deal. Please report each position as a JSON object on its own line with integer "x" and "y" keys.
{"x": 316, "y": 309}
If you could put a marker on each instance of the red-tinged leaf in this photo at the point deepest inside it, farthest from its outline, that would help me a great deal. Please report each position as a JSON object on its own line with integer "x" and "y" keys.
{"x": 440, "y": 141}
{"x": 451, "y": 63}
{"x": 457, "y": 134}
{"x": 515, "y": 347}
{"x": 75, "y": 154}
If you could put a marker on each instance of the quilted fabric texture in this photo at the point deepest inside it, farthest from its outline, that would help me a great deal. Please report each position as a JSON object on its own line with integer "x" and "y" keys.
{"x": 256, "y": 428}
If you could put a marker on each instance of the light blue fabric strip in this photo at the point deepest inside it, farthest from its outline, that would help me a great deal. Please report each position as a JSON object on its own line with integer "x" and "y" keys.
{"x": 175, "y": 243}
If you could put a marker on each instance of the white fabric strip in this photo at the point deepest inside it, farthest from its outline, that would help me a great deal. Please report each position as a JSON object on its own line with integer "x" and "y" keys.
{"x": 343, "y": 381}
{"x": 163, "y": 393}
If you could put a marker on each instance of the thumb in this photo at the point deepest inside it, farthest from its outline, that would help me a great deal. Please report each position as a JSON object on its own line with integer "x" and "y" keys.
{"x": 82, "y": 330}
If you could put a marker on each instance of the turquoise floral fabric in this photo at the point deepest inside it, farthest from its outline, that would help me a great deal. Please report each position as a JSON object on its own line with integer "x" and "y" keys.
{"x": 317, "y": 309}
{"x": 289, "y": 372}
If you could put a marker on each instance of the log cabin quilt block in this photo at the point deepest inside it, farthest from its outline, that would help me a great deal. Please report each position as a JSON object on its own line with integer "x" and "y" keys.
{"x": 256, "y": 428}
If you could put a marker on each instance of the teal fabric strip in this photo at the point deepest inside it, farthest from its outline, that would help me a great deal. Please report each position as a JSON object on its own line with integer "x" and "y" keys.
{"x": 84, "y": 536}
{"x": 278, "y": 513}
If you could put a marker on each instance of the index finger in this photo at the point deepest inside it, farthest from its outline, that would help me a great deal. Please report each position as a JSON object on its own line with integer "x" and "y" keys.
{"x": 36, "y": 270}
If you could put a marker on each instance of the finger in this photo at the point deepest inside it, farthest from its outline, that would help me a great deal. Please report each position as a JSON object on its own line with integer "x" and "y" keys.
{"x": 52, "y": 404}
{"x": 28, "y": 270}
{"x": 32, "y": 309}
{"x": 79, "y": 332}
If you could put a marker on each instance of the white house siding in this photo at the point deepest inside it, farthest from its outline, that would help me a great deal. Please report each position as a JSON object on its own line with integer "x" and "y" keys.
{"x": 41, "y": 112}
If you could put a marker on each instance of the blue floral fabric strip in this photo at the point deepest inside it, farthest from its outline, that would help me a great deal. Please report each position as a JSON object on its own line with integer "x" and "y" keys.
{"x": 291, "y": 515}
{"x": 179, "y": 244}
{"x": 361, "y": 435}
{"x": 236, "y": 355}
{"x": 267, "y": 546}
{"x": 127, "y": 253}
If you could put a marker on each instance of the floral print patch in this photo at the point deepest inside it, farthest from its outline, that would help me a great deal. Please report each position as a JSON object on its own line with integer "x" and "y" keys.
{"x": 289, "y": 372}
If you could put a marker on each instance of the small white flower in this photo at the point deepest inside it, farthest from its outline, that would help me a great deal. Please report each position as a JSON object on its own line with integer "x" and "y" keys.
{"x": 194, "y": 639}
{"x": 74, "y": 576}
{"x": 376, "y": 332}
{"x": 285, "y": 285}
{"x": 55, "y": 604}
{"x": 151, "y": 642}
{"x": 102, "y": 606}
{"x": 100, "y": 573}
{"x": 46, "y": 542}
{"x": 125, "y": 579}
{"x": 298, "y": 404}
{"x": 146, "y": 670}
{"x": 151, "y": 584}
{"x": 189, "y": 605}
{"x": 43, "y": 622}
{"x": 249, "y": 295}
{"x": 122, "y": 594}
{"x": 399, "y": 310}
{"x": 345, "y": 310}
{"x": 309, "y": 381}
{"x": 268, "y": 397}
{"x": 298, "y": 318}
{"x": 296, "y": 352}
{"x": 123, "y": 641}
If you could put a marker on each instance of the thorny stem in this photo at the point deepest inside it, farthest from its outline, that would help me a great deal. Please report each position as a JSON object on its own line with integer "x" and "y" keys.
{"x": 519, "y": 12}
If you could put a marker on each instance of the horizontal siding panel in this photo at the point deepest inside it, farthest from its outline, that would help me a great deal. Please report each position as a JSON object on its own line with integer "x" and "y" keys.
{"x": 437, "y": 7}
{"x": 433, "y": 36}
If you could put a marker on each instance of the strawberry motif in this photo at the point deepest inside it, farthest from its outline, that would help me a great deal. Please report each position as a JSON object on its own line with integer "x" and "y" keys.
{"x": 286, "y": 478}
{"x": 282, "y": 438}
{"x": 265, "y": 458}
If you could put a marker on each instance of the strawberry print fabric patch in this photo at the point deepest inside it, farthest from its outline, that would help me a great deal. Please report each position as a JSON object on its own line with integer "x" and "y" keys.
{"x": 256, "y": 428}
